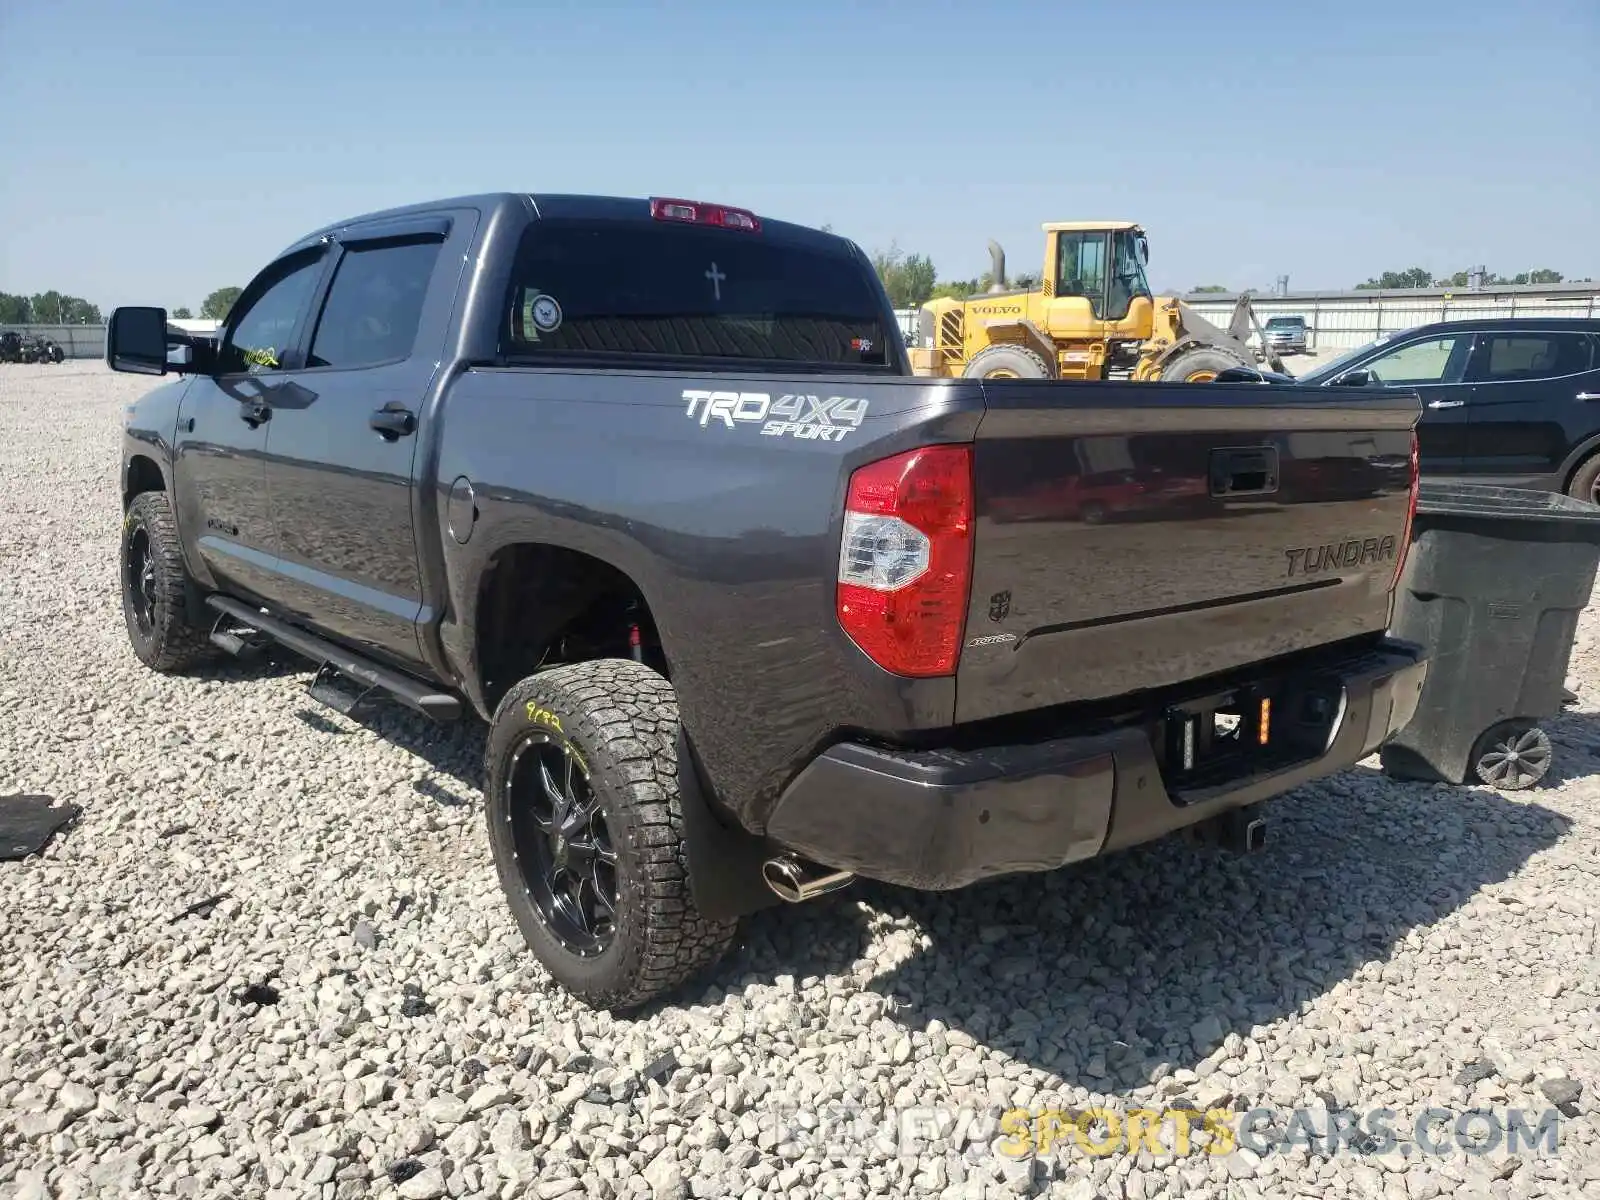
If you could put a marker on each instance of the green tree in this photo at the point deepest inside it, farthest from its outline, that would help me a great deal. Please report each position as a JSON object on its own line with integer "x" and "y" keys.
{"x": 908, "y": 278}
{"x": 955, "y": 289}
{"x": 218, "y": 304}
{"x": 56, "y": 308}
{"x": 1210, "y": 287}
{"x": 1413, "y": 277}
{"x": 13, "y": 309}
{"x": 181, "y": 314}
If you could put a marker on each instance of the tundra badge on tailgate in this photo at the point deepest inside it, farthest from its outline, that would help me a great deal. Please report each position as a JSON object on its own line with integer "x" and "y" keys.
{"x": 1357, "y": 552}
{"x": 809, "y": 418}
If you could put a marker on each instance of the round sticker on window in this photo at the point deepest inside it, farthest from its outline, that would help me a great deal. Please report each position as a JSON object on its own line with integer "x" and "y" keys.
{"x": 546, "y": 314}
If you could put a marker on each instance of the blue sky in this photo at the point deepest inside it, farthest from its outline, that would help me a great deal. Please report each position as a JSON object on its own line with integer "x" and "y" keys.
{"x": 156, "y": 150}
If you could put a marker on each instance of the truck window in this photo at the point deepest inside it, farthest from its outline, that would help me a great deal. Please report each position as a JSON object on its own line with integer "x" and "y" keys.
{"x": 264, "y": 326}
{"x": 597, "y": 288}
{"x": 375, "y": 304}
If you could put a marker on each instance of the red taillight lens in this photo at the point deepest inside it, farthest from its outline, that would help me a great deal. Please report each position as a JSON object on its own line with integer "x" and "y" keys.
{"x": 905, "y": 560}
{"x": 695, "y": 212}
{"x": 1411, "y": 514}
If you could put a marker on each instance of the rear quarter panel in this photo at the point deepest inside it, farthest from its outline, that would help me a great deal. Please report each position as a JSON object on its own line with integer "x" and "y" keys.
{"x": 732, "y": 536}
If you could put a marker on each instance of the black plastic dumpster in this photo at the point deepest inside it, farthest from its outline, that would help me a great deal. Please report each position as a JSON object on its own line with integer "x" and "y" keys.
{"x": 1493, "y": 587}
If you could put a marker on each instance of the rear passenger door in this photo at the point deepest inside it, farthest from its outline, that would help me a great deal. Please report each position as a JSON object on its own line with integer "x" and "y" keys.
{"x": 344, "y": 439}
{"x": 1535, "y": 398}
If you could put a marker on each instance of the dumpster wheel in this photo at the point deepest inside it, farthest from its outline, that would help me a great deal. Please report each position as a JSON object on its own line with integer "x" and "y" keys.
{"x": 1512, "y": 755}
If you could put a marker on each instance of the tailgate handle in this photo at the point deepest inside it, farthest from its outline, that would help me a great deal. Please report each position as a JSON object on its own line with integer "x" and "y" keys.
{"x": 1250, "y": 471}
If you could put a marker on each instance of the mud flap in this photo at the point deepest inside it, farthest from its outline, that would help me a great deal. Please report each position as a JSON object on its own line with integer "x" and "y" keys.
{"x": 724, "y": 861}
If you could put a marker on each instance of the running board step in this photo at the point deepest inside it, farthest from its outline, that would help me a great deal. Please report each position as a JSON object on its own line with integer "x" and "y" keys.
{"x": 239, "y": 641}
{"x": 413, "y": 693}
{"x": 325, "y": 689}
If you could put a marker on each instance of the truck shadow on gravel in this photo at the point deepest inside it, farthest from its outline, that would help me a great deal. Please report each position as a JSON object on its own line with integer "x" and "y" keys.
{"x": 1575, "y": 739}
{"x": 1102, "y": 972}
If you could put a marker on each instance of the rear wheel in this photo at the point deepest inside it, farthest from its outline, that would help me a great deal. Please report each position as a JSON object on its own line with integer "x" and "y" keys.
{"x": 1007, "y": 362}
{"x": 1199, "y": 366}
{"x": 1585, "y": 483}
{"x": 155, "y": 589}
{"x": 586, "y": 825}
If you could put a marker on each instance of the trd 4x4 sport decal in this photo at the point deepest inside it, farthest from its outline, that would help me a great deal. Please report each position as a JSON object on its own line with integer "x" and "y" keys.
{"x": 809, "y": 418}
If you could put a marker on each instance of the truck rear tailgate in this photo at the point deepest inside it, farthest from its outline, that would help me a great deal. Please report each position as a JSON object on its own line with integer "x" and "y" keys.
{"x": 1130, "y": 538}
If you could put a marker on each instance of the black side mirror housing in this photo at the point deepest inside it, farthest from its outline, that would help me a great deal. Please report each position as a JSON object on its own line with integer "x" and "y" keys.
{"x": 1360, "y": 377}
{"x": 136, "y": 340}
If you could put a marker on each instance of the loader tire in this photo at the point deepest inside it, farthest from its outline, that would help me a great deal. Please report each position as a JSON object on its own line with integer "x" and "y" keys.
{"x": 1199, "y": 366}
{"x": 1007, "y": 362}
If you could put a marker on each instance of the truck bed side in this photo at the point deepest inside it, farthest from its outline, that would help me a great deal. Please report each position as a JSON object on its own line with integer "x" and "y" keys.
{"x": 731, "y": 535}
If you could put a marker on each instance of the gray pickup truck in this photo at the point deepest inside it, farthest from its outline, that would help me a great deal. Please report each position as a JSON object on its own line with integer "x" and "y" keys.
{"x": 751, "y": 611}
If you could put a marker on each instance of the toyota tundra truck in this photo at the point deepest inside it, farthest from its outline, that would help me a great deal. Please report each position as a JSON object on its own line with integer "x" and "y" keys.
{"x": 647, "y": 485}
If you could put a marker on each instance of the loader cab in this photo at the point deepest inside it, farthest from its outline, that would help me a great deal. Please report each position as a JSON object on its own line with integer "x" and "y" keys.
{"x": 1094, "y": 280}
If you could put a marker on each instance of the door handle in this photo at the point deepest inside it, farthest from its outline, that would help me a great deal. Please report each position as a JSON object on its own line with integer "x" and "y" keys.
{"x": 393, "y": 424}
{"x": 1445, "y": 403}
{"x": 253, "y": 412}
{"x": 1589, "y": 395}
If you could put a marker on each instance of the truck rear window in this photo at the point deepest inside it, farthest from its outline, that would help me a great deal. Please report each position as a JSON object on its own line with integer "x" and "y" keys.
{"x": 586, "y": 288}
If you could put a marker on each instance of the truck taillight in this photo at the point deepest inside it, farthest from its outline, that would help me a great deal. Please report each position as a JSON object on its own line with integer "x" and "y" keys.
{"x": 695, "y": 212}
{"x": 1411, "y": 514}
{"x": 905, "y": 560}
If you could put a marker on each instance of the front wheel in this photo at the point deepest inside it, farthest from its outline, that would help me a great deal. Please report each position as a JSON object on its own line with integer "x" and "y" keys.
{"x": 1199, "y": 366}
{"x": 155, "y": 589}
{"x": 586, "y": 825}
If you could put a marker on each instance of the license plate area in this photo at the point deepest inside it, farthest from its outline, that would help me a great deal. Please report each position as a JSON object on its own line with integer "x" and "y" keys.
{"x": 1228, "y": 737}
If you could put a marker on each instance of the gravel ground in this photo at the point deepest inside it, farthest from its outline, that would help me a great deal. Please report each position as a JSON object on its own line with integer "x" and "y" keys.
{"x": 355, "y": 1016}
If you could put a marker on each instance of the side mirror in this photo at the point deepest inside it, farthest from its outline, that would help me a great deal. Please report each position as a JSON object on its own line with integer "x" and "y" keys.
{"x": 1360, "y": 377}
{"x": 136, "y": 340}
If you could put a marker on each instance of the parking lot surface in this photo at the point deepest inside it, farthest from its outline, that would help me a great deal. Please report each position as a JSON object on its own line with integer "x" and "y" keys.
{"x": 271, "y": 959}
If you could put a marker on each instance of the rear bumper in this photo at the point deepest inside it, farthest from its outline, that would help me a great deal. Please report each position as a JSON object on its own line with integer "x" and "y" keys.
{"x": 944, "y": 819}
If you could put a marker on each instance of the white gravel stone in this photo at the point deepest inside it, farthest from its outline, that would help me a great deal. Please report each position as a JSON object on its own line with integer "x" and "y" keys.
{"x": 1392, "y": 939}
{"x": 427, "y": 1185}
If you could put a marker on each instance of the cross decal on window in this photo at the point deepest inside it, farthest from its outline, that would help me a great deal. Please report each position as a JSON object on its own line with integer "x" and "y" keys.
{"x": 716, "y": 278}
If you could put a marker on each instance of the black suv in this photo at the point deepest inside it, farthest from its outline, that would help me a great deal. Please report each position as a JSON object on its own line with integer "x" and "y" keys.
{"x": 1508, "y": 400}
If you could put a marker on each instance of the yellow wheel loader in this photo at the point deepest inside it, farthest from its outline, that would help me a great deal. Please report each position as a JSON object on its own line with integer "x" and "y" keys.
{"x": 1092, "y": 318}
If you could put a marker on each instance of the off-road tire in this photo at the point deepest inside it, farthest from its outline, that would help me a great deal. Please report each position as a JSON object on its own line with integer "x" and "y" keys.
{"x": 622, "y": 719}
{"x": 1192, "y": 362}
{"x": 171, "y": 640}
{"x": 1585, "y": 483}
{"x": 1015, "y": 361}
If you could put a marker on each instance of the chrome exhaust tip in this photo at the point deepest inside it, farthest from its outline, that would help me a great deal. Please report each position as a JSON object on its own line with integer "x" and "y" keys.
{"x": 796, "y": 881}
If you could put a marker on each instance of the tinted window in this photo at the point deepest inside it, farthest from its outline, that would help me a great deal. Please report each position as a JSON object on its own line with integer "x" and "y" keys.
{"x": 1535, "y": 356}
{"x": 374, "y": 305}
{"x": 264, "y": 328}
{"x": 1081, "y": 268}
{"x": 658, "y": 290}
{"x": 1437, "y": 360}
{"x": 1127, "y": 276}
